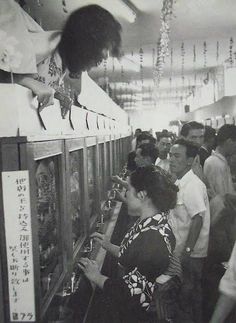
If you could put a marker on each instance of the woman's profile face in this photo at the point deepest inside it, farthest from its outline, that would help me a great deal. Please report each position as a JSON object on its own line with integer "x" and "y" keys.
{"x": 104, "y": 54}
{"x": 133, "y": 201}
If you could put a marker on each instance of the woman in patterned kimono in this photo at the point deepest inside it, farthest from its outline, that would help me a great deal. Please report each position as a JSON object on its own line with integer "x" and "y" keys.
{"x": 145, "y": 251}
{"x": 40, "y": 59}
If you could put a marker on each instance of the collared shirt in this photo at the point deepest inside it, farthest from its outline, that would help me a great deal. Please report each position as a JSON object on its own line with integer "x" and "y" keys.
{"x": 218, "y": 181}
{"x": 192, "y": 199}
{"x": 228, "y": 282}
{"x": 163, "y": 163}
{"x": 134, "y": 144}
{"x": 217, "y": 174}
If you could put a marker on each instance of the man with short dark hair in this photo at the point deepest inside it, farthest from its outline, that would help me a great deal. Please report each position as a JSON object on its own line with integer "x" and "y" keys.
{"x": 143, "y": 138}
{"x": 190, "y": 222}
{"x": 193, "y": 131}
{"x": 163, "y": 145}
{"x": 208, "y": 144}
{"x": 146, "y": 155}
{"x": 138, "y": 131}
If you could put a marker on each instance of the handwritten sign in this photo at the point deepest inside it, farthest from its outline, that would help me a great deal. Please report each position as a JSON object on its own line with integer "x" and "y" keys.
{"x": 16, "y": 201}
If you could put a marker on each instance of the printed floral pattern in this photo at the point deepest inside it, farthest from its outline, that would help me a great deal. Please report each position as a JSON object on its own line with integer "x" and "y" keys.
{"x": 137, "y": 283}
{"x": 50, "y": 71}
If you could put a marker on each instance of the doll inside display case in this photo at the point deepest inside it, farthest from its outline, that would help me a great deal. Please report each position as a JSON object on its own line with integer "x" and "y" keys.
{"x": 48, "y": 221}
{"x": 91, "y": 180}
{"x": 75, "y": 195}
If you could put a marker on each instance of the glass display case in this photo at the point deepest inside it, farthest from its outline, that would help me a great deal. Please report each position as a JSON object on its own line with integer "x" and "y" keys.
{"x": 75, "y": 179}
{"x": 91, "y": 179}
{"x": 113, "y": 153}
{"x": 101, "y": 169}
{"x": 108, "y": 165}
{"x": 45, "y": 162}
{"x": 75, "y": 192}
{"x": 50, "y": 248}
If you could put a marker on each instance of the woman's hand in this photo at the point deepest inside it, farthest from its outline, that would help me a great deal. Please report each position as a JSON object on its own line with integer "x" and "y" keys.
{"x": 92, "y": 272}
{"x": 102, "y": 239}
{"x": 44, "y": 93}
{"x": 116, "y": 179}
{"x": 90, "y": 269}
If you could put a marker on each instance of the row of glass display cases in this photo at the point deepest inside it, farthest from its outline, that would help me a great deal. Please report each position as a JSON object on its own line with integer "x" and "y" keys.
{"x": 67, "y": 182}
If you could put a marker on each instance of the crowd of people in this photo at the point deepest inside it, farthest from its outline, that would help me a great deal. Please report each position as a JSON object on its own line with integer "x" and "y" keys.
{"x": 180, "y": 191}
{"x": 187, "y": 182}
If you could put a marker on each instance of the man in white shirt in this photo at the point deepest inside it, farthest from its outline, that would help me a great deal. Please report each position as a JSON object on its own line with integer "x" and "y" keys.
{"x": 138, "y": 132}
{"x": 190, "y": 222}
{"x": 217, "y": 172}
{"x": 227, "y": 287}
{"x": 194, "y": 131}
{"x": 163, "y": 145}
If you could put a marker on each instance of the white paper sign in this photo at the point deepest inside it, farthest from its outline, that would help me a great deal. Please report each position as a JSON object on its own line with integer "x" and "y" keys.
{"x": 17, "y": 215}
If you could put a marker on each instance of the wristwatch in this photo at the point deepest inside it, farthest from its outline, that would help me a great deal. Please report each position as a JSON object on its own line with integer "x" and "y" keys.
{"x": 188, "y": 250}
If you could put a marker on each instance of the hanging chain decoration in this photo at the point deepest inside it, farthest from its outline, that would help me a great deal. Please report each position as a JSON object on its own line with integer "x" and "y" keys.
{"x": 194, "y": 65}
{"x": 163, "y": 41}
{"x": 105, "y": 75}
{"x": 153, "y": 58}
{"x": 113, "y": 64}
{"x": 64, "y": 8}
{"x": 171, "y": 68}
{"x": 182, "y": 62}
{"x": 205, "y": 54}
{"x": 194, "y": 54}
{"x": 39, "y": 4}
{"x": 217, "y": 51}
{"x": 141, "y": 64}
{"x": 231, "y": 44}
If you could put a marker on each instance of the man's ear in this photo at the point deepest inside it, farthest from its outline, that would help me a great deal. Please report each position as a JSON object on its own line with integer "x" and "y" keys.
{"x": 141, "y": 195}
{"x": 190, "y": 161}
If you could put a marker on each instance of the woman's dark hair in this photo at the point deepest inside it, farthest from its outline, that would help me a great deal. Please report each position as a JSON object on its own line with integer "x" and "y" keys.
{"x": 149, "y": 150}
{"x": 158, "y": 185}
{"x": 87, "y": 32}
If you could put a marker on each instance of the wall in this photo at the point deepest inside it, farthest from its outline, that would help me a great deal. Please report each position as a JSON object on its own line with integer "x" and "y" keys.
{"x": 226, "y": 105}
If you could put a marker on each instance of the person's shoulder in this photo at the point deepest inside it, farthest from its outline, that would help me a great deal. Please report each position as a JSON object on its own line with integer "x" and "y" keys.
{"x": 212, "y": 162}
{"x": 194, "y": 181}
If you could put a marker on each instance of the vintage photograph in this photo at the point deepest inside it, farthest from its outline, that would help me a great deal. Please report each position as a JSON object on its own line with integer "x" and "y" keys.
{"x": 118, "y": 161}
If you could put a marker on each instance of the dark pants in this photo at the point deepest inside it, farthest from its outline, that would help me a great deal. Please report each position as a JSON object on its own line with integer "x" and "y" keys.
{"x": 190, "y": 300}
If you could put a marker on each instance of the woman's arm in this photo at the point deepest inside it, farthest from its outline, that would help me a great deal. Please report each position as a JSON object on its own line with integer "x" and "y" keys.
{"x": 224, "y": 306}
{"x": 106, "y": 244}
{"x": 44, "y": 93}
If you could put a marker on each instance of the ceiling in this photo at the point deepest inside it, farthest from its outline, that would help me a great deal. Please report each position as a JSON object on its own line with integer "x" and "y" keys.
{"x": 193, "y": 23}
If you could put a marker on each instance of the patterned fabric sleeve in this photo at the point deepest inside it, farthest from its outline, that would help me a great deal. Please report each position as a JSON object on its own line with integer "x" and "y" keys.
{"x": 149, "y": 257}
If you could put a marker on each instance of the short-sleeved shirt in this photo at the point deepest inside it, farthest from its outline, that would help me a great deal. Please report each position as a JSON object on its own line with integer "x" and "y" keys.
{"x": 217, "y": 174}
{"x": 228, "y": 282}
{"x": 192, "y": 199}
{"x": 163, "y": 163}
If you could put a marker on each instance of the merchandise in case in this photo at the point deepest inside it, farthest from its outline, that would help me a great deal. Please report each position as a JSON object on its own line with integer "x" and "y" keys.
{"x": 75, "y": 177}
{"x": 108, "y": 167}
{"x": 101, "y": 152}
{"x": 45, "y": 162}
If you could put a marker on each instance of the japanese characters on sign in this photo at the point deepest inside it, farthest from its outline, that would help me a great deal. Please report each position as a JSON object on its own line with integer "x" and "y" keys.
{"x": 16, "y": 200}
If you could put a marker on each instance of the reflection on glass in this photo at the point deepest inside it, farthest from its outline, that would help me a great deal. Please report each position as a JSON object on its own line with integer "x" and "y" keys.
{"x": 102, "y": 170}
{"x": 113, "y": 157}
{"x": 91, "y": 179}
{"x": 48, "y": 220}
{"x": 75, "y": 195}
{"x": 108, "y": 166}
